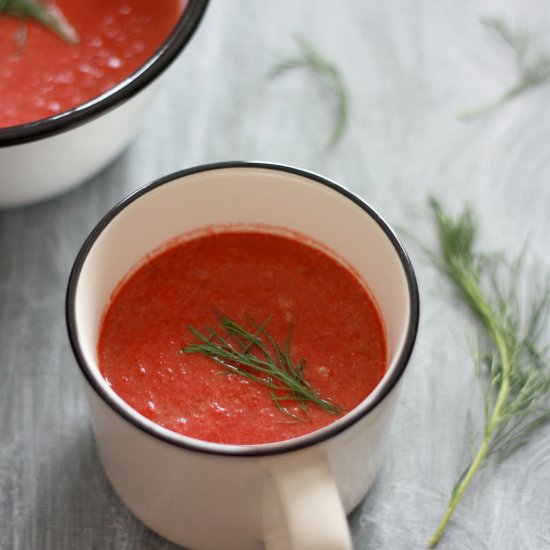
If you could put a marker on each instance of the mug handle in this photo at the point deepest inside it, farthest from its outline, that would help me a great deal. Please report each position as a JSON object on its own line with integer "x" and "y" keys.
{"x": 303, "y": 509}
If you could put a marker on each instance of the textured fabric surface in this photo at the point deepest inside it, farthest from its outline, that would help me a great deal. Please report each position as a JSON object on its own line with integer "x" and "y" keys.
{"x": 409, "y": 67}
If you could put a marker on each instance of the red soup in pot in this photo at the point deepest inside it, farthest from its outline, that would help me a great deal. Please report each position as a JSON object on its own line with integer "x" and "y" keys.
{"x": 42, "y": 75}
{"x": 313, "y": 317}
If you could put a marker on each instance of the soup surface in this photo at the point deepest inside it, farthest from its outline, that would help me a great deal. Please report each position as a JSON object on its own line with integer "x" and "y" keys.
{"x": 250, "y": 277}
{"x": 42, "y": 75}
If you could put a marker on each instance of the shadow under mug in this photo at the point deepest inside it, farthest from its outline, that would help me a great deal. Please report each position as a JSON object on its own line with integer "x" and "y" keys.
{"x": 292, "y": 494}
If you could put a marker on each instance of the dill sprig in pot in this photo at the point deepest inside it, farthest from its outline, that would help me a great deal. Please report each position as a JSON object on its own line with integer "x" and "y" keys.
{"x": 49, "y": 16}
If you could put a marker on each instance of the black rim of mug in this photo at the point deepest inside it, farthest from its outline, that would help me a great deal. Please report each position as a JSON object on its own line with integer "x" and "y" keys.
{"x": 122, "y": 92}
{"x": 244, "y": 450}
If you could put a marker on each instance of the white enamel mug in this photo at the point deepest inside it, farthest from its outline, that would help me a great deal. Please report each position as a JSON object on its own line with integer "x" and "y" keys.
{"x": 293, "y": 494}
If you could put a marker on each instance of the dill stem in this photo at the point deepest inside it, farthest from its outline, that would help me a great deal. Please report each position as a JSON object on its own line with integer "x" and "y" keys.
{"x": 478, "y": 459}
{"x": 327, "y": 73}
{"x": 499, "y": 340}
{"x": 476, "y": 462}
{"x": 510, "y": 94}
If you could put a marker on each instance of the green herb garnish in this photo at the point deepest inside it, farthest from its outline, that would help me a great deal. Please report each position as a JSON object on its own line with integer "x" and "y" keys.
{"x": 512, "y": 364}
{"x": 533, "y": 65}
{"x": 254, "y": 354}
{"x": 328, "y": 73}
{"x": 47, "y": 15}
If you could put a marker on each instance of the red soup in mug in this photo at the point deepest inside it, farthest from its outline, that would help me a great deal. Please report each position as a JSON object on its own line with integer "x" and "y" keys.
{"x": 189, "y": 336}
{"x": 42, "y": 75}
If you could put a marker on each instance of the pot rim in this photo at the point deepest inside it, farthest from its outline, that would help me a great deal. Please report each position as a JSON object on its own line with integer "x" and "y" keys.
{"x": 163, "y": 57}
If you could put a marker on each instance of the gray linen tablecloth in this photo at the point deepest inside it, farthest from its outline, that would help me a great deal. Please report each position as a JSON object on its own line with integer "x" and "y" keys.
{"x": 409, "y": 66}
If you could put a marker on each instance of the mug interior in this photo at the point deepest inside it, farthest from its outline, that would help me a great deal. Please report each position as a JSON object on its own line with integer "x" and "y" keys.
{"x": 243, "y": 193}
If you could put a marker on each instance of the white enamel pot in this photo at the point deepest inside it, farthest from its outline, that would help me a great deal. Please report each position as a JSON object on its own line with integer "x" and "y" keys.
{"x": 289, "y": 495}
{"x": 44, "y": 158}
